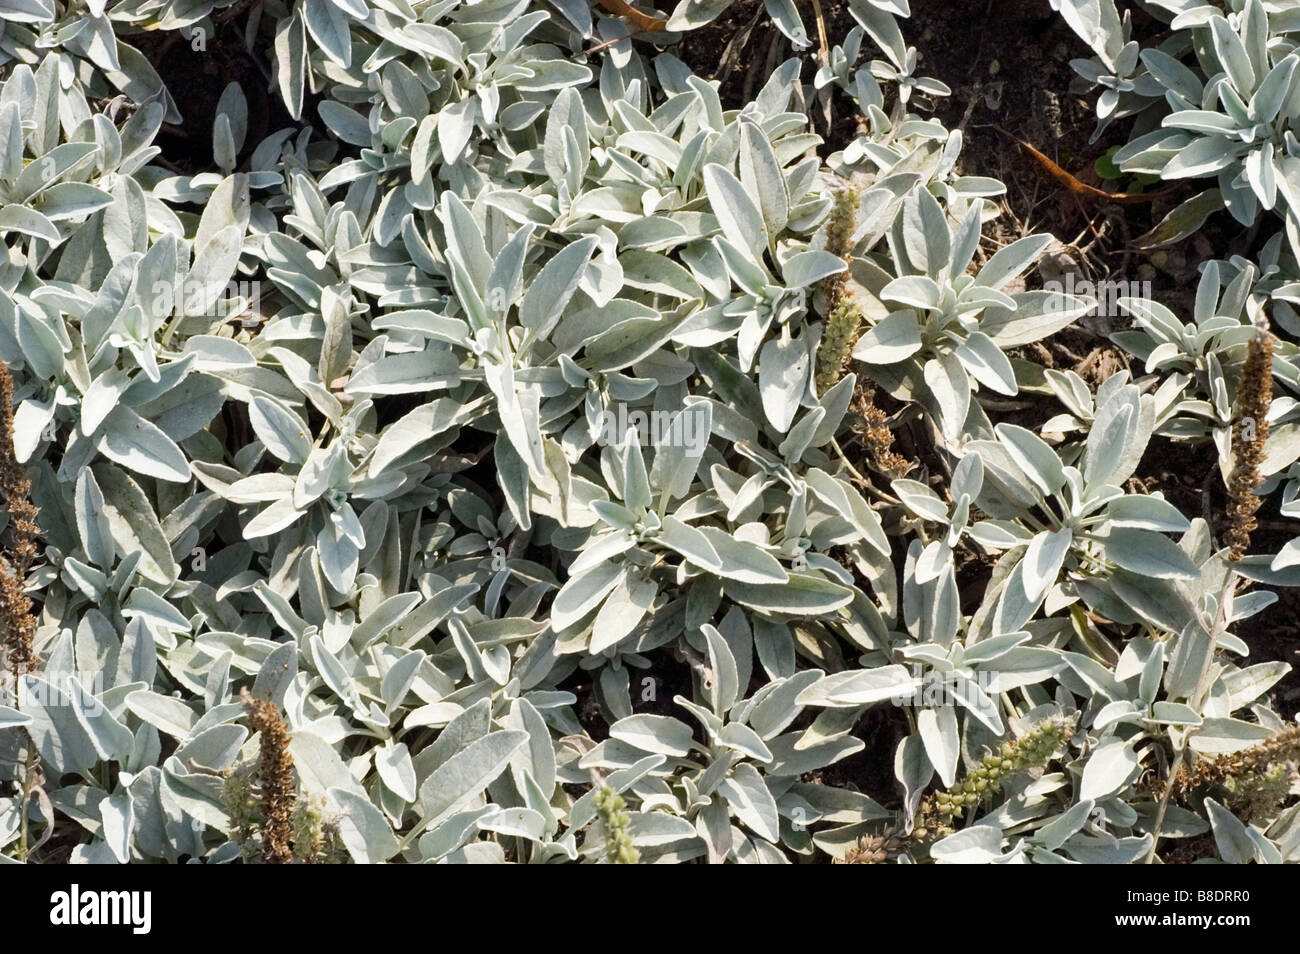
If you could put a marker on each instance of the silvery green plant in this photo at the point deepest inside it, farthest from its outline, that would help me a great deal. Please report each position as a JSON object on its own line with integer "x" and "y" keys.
{"x": 93, "y": 41}
{"x": 1227, "y": 112}
{"x": 1074, "y": 518}
{"x": 943, "y": 327}
{"x": 1203, "y": 360}
{"x": 878, "y": 15}
{"x": 1128, "y": 82}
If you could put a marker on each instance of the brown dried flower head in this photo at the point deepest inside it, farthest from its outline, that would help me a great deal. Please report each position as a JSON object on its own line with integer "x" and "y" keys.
{"x": 871, "y": 425}
{"x": 16, "y": 616}
{"x": 1249, "y": 433}
{"x": 275, "y": 777}
{"x": 1281, "y": 748}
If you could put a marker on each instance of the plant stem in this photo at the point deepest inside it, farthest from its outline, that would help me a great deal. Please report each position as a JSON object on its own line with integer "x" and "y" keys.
{"x": 29, "y": 778}
{"x": 863, "y": 482}
{"x": 1196, "y": 701}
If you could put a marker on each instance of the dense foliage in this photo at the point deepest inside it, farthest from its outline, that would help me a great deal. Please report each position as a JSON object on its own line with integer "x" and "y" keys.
{"x": 479, "y": 449}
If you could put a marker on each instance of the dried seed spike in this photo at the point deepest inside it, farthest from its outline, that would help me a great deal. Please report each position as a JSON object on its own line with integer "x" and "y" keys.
{"x": 874, "y": 849}
{"x": 1283, "y": 747}
{"x": 275, "y": 778}
{"x": 1249, "y": 433}
{"x": 16, "y": 616}
{"x": 871, "y": 426}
